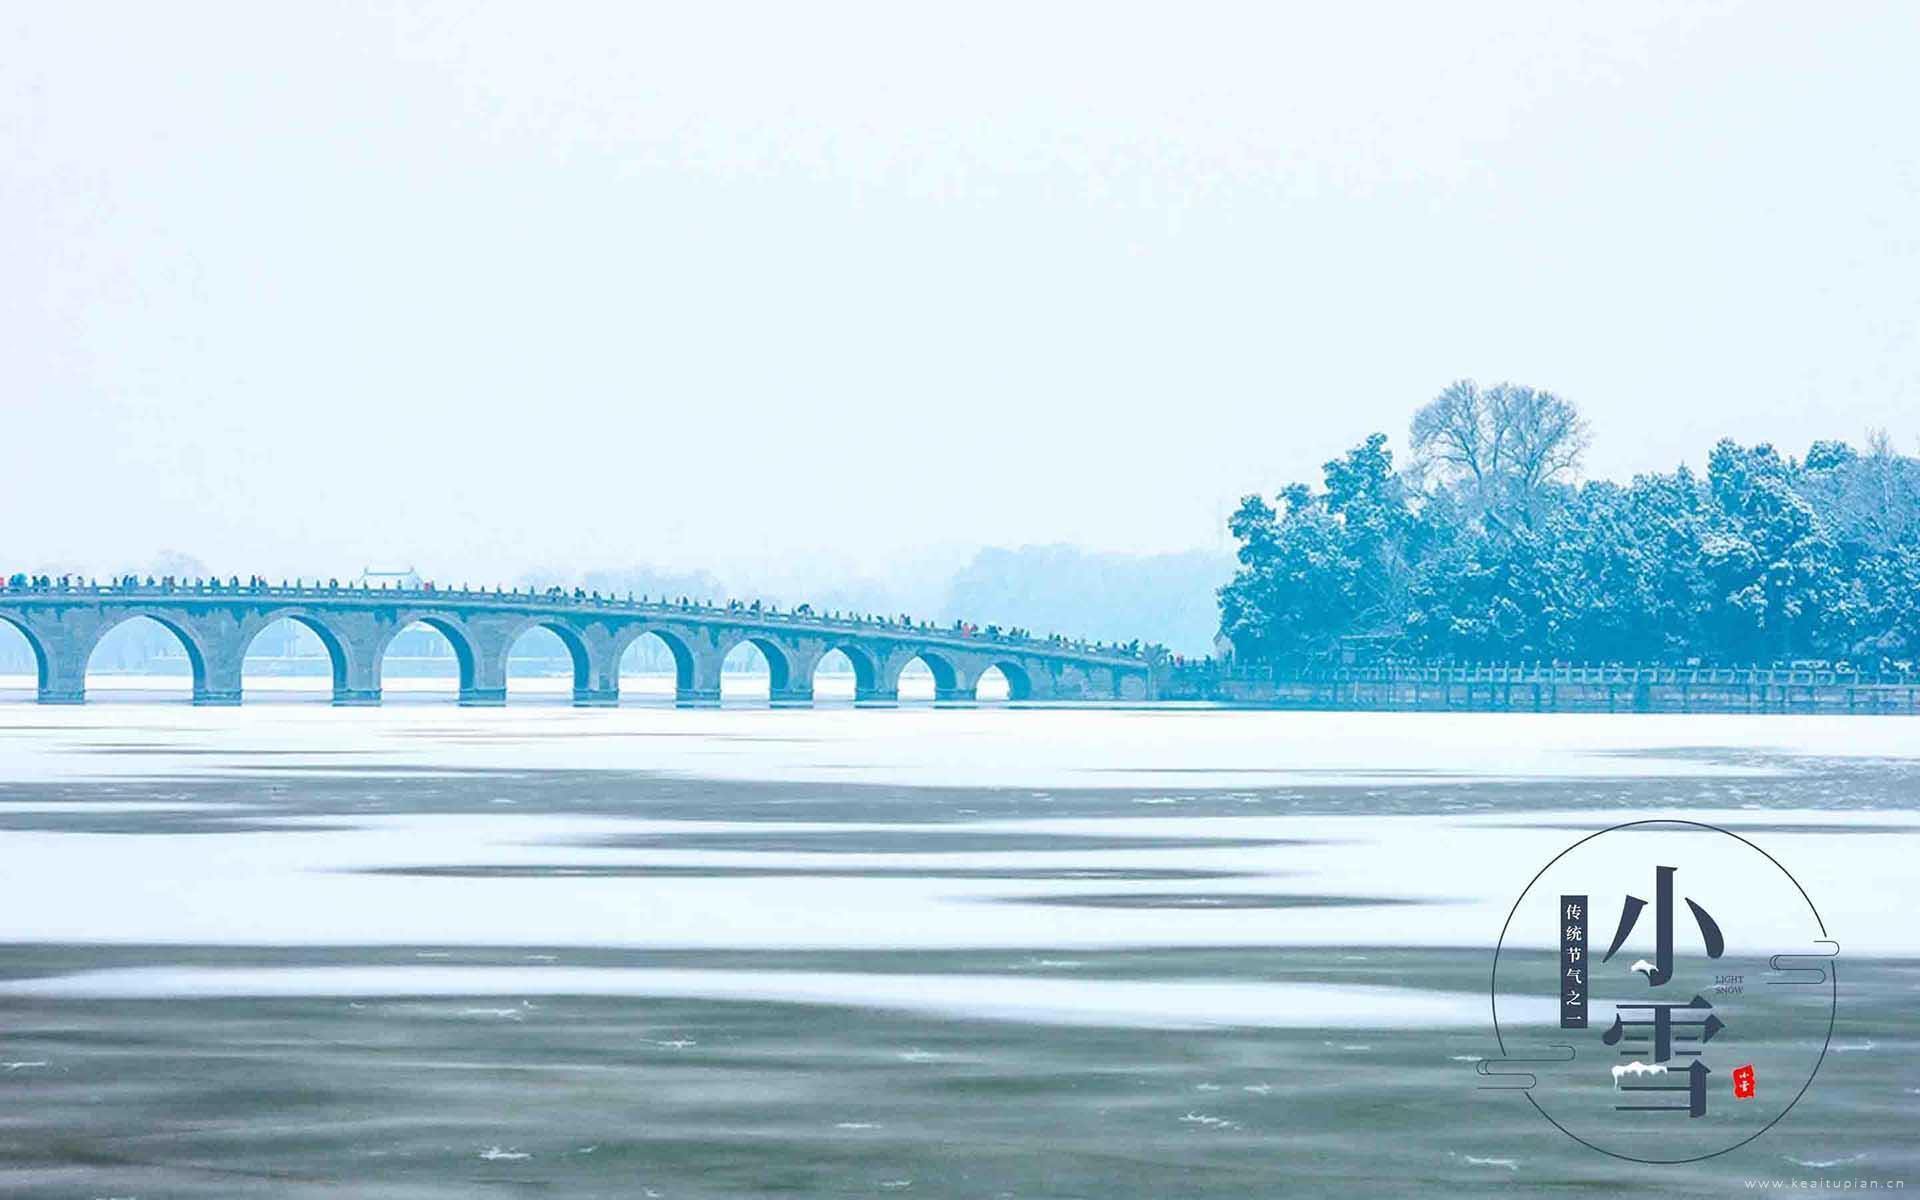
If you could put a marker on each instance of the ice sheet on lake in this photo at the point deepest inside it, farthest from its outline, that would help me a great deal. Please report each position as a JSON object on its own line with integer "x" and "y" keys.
{"x": 1118, "y": 1002}
{"x": 1166, "y": 748}
{"x": 1454, "y": 879}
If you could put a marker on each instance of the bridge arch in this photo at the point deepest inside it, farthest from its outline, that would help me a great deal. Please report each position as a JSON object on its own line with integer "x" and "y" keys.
{"x": 465, "y": 656}
{"x": 33, "y": 645}
{"x": 946, "y": 673}
{"x": 779, "y": 660}
{"x": 576, "y": 647}
{"x": 338, "y": 656}
{"x": 679, "y": 649}
{"x": 865, "y": 666}
{"x": 181, "y": 631}
{"x": 1018, "y": 681}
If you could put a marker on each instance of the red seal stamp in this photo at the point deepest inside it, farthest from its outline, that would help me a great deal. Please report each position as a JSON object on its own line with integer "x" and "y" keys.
{"x": 1743, "y": 1082}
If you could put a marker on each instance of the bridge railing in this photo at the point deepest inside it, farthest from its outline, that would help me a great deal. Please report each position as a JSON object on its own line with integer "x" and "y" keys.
{"x": 578, "y": 598}
{"x": 1756, "y": 674}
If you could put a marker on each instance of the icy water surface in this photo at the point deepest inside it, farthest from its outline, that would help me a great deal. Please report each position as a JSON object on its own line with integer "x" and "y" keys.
{"x": 287, "y": 950}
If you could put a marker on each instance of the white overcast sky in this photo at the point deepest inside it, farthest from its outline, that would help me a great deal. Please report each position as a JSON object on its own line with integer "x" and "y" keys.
{"x": 489, "y": 287}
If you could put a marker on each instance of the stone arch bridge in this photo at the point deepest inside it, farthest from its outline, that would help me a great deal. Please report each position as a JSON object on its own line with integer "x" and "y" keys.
{"x": 216, "y": 623}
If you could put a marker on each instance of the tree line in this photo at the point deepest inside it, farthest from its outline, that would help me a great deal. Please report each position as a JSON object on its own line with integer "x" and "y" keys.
{"x": 1484, "y": 548}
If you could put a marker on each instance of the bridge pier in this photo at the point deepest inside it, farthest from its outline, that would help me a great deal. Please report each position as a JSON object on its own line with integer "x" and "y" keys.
{"x": 354, "y": 642}
{"x": 63, "y": 665}
{"x": 62, "y": 641}
{"x": 697, "y": 684}
{"x": 596, "y": 669}
{"x": 217, "y": 684}
{"x": 482, "y": 653}
{"x": 794, "y": 695}
{"x": 876, "y": 696}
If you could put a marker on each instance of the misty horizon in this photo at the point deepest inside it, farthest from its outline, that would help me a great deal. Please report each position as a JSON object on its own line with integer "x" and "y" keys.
{"x": 852, "y": 294}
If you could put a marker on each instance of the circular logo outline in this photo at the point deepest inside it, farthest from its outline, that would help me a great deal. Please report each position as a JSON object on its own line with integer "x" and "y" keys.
{"x": 1833, "y": 980}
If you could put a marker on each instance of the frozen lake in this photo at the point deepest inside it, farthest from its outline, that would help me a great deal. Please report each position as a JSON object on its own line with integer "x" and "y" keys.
{"x": 1191, "y": 934}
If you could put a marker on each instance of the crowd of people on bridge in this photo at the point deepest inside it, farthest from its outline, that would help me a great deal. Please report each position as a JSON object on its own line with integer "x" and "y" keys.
{"x": 169, "y": 584}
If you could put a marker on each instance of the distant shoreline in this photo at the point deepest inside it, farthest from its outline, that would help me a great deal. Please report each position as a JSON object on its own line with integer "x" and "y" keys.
{"x": 1556, "y": 689}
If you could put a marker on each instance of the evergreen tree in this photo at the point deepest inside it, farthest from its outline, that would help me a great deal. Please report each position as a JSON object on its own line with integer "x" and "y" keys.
{"x": 1764, "y": 559}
